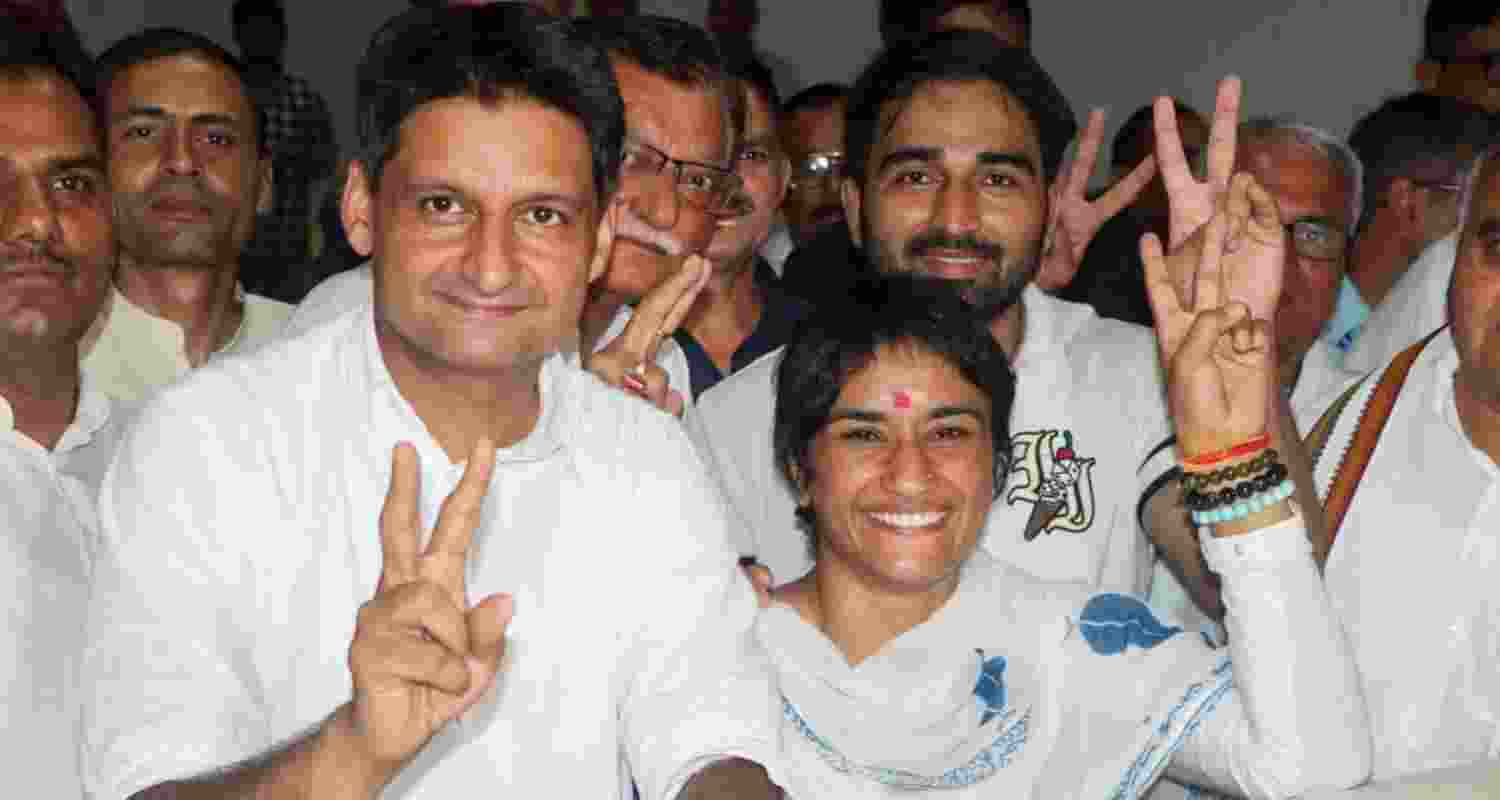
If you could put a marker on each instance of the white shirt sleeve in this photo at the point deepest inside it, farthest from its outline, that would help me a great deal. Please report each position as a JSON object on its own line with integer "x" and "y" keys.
{"x": 700, "y": 689}
{"x": 169, "y": 678}
{"x": 1296, "y": 719}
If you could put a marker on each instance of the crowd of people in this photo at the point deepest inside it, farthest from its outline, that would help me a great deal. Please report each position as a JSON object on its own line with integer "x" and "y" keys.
{"x": 643, "y": 433}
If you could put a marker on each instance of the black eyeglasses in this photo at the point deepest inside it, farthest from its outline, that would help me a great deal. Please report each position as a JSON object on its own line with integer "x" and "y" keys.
{"x": 704, "y": 186}
{"x": 818, "y": 167}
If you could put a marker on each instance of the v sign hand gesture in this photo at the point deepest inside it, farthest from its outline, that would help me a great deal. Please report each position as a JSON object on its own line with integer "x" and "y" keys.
{"x": 421, "y": 654}
{"x": 1192, "y": 201}
{"x": 630, "y": 360}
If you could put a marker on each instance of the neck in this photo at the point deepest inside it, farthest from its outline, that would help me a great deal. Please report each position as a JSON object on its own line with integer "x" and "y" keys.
{"x": 1010, "y": 330}
{"x": 726, "y": 313}
{"x": 41, "y": 385}
{"x": 200, "y": 301}
{"x": 598, "y": 313}
{"x": 460, "y": 407}
{"x": 1479, "y": 413}
{"x": 860, "y": 618}
{"x": 1378, "y": 260}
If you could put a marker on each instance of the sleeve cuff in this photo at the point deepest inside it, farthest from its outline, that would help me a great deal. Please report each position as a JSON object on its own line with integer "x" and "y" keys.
{"x": 1274, "y": 544}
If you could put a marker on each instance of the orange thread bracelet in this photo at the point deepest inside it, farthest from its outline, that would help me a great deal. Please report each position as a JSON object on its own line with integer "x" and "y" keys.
{"x": 1251, "y": 447}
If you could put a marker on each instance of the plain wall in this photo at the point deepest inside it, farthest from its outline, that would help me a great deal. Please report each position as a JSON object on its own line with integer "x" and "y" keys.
{"x": 1323, "y": 61}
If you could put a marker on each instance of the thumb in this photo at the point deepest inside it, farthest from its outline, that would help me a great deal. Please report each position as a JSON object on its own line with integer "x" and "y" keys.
{"x": 1208, "y": 326}
{"x": 488, "y": 622}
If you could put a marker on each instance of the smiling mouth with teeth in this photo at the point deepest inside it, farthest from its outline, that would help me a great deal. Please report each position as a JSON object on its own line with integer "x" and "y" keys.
{"x": 919, "y": 519}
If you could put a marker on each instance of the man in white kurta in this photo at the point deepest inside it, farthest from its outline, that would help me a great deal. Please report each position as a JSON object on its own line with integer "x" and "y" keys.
{"x": 56, "y": 431}
{"x": 1090, "y": 436}
{"x": 601, "y": 523}
{"x": 253, "y": 523}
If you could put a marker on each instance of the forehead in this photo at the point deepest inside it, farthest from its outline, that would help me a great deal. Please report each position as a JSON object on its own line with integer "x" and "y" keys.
{"x": 963, "y": 116}
{"x": 921, "y": 377}
{"x": 684, "y": 121}
{"x": 41, "y": 120}
{"x": 817, "y": 128}
{"x": 1301, "y": 178}
{"x": 512, "y": 147}
{"x": 1480, "y": 40}
{"x": 184, "y": 84}
{"x": 760, "y": 120}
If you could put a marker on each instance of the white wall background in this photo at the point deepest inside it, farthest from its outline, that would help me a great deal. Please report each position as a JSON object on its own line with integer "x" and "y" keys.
{"x": 1323, "y": 61}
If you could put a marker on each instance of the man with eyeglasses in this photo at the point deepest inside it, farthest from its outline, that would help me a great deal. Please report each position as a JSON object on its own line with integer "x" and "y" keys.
{"x": 812, "y": 131}
{"x": 676, "y": 183}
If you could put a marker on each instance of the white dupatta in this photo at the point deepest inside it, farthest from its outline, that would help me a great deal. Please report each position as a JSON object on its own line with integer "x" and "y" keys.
{"x": 1015, "y": 688}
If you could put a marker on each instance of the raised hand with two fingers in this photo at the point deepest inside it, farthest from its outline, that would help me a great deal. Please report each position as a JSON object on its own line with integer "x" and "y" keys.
{"x": 1072, "y": 219}
{"x": 422, "y": 655}
{"x": 1193, "y": 202}
{"x": 629, "y": 361}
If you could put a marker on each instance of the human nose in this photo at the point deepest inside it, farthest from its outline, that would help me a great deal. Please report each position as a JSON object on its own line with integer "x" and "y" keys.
{"x": 490, "y": 262}
{"x": 179, "y": 157}
{"x": 29, "y": 214}
{"x": 653, "y": 198}
{"x": 910, "y": 469}
{"x": 957, "y": 209}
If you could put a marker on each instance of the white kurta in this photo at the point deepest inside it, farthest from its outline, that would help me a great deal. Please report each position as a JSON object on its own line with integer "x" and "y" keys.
{"x": 1093, "y": 696}
{"x": 240, "y": 536}
{"x": 1415, "y": 306}
{"x": 131, "y": 354}
{"x": 1413, "y": 577}
{"x": 1079, "y": 376}
{"x": 48, "y": 528}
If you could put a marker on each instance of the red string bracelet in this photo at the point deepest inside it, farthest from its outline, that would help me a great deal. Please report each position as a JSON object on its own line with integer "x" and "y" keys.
{"x": 1250, "y": 447}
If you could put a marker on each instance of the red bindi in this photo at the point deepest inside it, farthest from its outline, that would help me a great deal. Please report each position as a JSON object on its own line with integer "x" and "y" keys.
{"x": 902, "y": 399}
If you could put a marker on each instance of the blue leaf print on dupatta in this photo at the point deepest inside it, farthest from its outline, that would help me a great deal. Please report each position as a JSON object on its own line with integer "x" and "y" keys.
{"x": 1112, "y": 622}
{"x": 991, "y": 686}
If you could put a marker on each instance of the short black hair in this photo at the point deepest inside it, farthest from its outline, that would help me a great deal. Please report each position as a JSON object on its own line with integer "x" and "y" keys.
{"x": 30, "y": 55}
{"x": 900, "y": 70}
{"x": 663, "y": 46}
{"x": 1416, "y": 136}
{"x": 1136, "y": 138}
{"x": 490, "y": 53}
{"x": 245, "y": 10}
{"x": 157, "y": 43}
{"x": 1447, "y": 22}
{"x": 840, "y": 338}
{"x": 815, "y": 97}
{"x": 907, "y": 19}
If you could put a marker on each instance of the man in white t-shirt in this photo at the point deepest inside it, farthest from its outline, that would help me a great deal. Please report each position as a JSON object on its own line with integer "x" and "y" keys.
{"x": 188, "y": 168}
{"x": 1415, "y": 306}
{"x": 949, "y": 159}
{"x": 1413, "y": 571}
{"x": 245, "y": 544}
{"x": 56, "y": 250}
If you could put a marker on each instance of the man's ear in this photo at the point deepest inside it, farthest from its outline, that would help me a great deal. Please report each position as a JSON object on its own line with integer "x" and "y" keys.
{"x": 604, "y": 241}
{"x": 1426, "y": 73}
{"x": 849, "y": 192}
{"x": 356, "y": 209}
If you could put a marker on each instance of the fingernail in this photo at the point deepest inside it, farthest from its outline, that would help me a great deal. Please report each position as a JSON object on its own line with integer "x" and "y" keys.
{"x": 635, "y": 384}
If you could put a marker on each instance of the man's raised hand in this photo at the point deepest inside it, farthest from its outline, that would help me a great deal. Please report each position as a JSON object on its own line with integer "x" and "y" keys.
{"x": 629, "y": 361}
{"x": 1072, "y": 220}
{"x": 421, "y": 654}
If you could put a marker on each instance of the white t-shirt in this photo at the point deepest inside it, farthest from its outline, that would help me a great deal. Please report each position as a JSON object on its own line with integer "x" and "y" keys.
{"x": 1079, "y": 377}
{"x": 356, "y": 288}
{"x": 130, "y": 353}
{"x": 240, "y": 537}
{"x": 1416, "y": 306}
{"x": 48, "y": 528}
{"x": 1413, "y": 576}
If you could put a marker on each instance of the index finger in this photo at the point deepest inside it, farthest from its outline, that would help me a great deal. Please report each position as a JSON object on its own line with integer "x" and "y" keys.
{"x": 1087, "y": 153}
{"x": 1170, "y": 158}
{"x": 662, "y": 310}
{"x": 1221, "y": 134}
{"x": 460, "y": 516}
{"x": 400, "y": 519}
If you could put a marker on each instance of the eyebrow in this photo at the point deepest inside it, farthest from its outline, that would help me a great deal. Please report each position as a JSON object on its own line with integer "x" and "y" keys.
{"x": 868, "y": 415}
{"x": 1316, "y": 219}
{"x": 924, "y": 155}
{"x": 91, "y": 163}
{"x": 419, "y": 185}
{"x": 156, "y": 112}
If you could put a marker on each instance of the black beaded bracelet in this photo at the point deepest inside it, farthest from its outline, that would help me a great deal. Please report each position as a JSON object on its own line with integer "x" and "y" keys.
{"x": 1195, "y": 499}
{"x": 1191, "y": 480}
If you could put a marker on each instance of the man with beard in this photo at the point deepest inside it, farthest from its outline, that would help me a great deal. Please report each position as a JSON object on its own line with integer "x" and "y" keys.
{"x": 55, "y": 255}
{"x": 188, "y": 169}
{"x": 952, "y": 143}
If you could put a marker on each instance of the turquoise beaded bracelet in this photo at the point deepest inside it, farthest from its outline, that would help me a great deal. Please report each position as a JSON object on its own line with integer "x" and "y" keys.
{"x": 1246, "y": 507}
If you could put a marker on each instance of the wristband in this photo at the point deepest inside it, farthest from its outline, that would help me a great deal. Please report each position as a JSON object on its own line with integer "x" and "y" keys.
{"x": 1240, "y": 450}
{"x": 1244, "y": 508}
